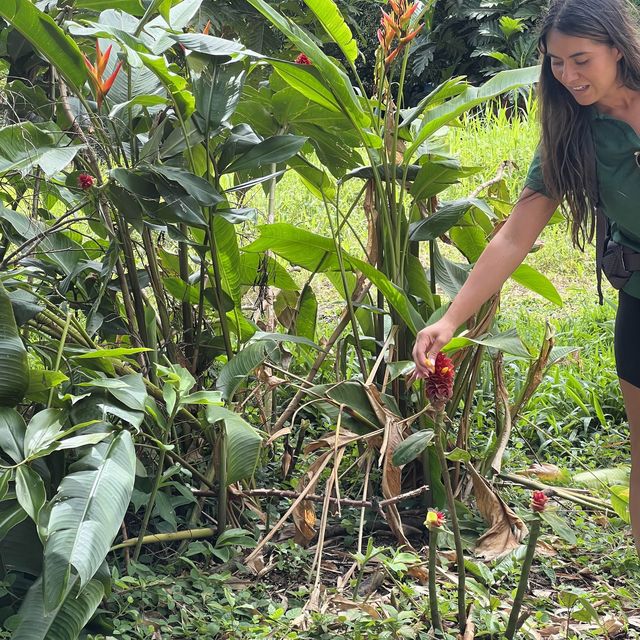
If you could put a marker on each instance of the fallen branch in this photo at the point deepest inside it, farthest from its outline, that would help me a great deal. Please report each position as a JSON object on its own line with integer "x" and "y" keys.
{"x": 583, "y": 501}
{"x": 189, "y": 534}
{"x": 347, "y": 502}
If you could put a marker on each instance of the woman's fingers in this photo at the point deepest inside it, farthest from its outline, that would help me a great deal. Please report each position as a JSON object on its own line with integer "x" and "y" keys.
{"x": 424, "y": 343}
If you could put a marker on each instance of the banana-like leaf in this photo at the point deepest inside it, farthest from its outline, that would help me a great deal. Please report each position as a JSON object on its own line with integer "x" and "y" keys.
{"x": 25, "y": 145}
{"x": 174, "y": 83}
{"x": 217, "y": 89}
{"x": 508, "y": 341}
{"x": 335, "y": 78}
{"x": 317, "y": 253}
{"x": 11, "y": 515}
{"x": 66, "y": 621}
{"x": 443, "y": 219}
{"x": 233, "y": 374}
{"x": 436, "y": 176}
{"x": 412, "y": 447}
{"x": 48, "y": 39}
{"x": 334, "y": 24}
{"x": 85, "y": 516}
{"x": 12, "y": 432}
{"x": 270, "y": 151}
{"x": 14, "y": 366}
{"x": 441, "y": 115}
{"x": 243, "y": 443}
{"x": 128, "y": 6}
{"x": 56, "y": 248}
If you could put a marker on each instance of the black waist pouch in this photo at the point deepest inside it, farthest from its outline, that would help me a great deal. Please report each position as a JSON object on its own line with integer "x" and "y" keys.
{"x": 619, "y": 263}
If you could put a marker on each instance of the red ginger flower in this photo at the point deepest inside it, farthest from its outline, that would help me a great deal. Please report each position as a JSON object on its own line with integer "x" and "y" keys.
{"x": 100, "y": 85}
{"x": 85, "y": 181}
{"x": 539, "y": 501}
{"x": 439, "y": 382}
{"x": 303, "y": 59}
{"x": 434, "y": 519}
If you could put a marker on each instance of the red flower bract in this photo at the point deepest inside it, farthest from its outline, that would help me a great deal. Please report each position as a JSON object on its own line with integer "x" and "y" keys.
{"x": 85, "y": 181}
{"x": 302, "y": 59}
{"x": 539, "y": 501}
{"x": 439, "y": 382}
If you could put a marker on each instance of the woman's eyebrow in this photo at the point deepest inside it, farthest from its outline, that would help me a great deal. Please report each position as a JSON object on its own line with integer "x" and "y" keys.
{"x": 573, "y": 55}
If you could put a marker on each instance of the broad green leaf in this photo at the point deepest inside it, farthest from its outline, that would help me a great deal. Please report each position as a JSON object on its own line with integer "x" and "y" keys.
{"x": 334, "y": 24}
{"x": 30, "y": 491}
{"x": 228, "y": 254}
{"x": 172, "y": 81}
{"x": 128, "y": 6}
{"x": 5, "y": 477}
{"x": 443, "y": 219}
{"x": 335, "y": 78}
{"x": 210, "y": 45}
{"x": 307, "y": 82}
{"x": 26, "y": 145}
{"x": 42, "y": 431}
{"x": 436, "y": 176}
{"x": 317, "y": 180}
{"x": 12, "y": 432}
{"x": 502, "y": 82}
{"x": 508, "y": 341}
{"x": 270, "y": 151}
{"x": 56, "y": 248}
{"x": 256, "y": 269}
{"x": 412, "y": 447}
{"x": 198, "y": 188}
{"x": 14, "y": 365}
{"x": 559, "y": 526}
{"x": 11, "y": 515}
{"x": 317, "y": 253}
{"x": 142, "y": 101}
{"x": 234, "y": 373}
{"x": 598, "y": 477}
{"x": 243, "y": 443}
{"x": 458, "y": 455}
{"x": 129, "y": 390}
{"x": 64, "y": 622}
{"x": 204, "y": 397}
{"x": 532, "y": 279}
{"x": 118, "y": 353}
{"x": 620, "y": 502}
{"x": 42, "y": 380}
{"x": 86, "y": 514}
{"x": 217, "y": 89}
{"x": 82, "y": 441}
{"x": 449, "y": 275}
{"x": 48, "y": 39}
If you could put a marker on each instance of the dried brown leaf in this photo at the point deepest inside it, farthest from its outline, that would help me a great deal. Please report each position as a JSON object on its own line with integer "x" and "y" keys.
{"x": 506, "y": 530}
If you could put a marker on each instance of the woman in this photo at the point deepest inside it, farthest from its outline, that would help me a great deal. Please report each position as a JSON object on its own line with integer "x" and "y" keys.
{"x": 589, "y": 93}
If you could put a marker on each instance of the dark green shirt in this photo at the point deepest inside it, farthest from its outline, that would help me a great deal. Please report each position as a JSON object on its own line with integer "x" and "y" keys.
{"x": 618, "y": 181}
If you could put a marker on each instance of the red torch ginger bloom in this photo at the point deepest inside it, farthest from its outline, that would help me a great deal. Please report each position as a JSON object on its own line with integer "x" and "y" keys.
{"x": 434, "y": 519}
{"x": 85, "y": 181}
{"x": 539, "y": 501}
{"x": 439, "y": 381}
{"x": 303, "y": 59}
{"x": 100, "y": 85}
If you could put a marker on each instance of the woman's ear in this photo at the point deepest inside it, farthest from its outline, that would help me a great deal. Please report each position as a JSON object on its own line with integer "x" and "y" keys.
{"x": 618, "y": 54}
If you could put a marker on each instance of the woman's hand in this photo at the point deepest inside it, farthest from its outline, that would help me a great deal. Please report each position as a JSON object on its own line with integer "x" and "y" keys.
{"x": 429, "y": 342}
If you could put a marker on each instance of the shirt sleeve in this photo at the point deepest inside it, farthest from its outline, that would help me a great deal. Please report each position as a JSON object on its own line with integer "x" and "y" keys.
{"x": 534, "y": 179}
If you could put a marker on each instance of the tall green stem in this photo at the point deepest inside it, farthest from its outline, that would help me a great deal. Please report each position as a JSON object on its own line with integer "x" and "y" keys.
{"x": 455, "y": 527}
{"x": 436, "y": 622}
{"x": 534, "y": 534}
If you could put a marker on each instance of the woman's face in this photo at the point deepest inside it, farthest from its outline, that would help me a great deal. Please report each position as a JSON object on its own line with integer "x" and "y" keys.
{"x": 588, "y": 69}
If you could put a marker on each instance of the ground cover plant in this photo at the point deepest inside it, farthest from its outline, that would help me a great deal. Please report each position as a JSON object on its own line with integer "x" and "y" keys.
{"x": 205, "y": 425}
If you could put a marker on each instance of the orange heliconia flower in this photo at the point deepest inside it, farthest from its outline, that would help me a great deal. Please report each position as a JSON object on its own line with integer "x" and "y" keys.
{"x": 396, "y": 25}
{"x": 100, "y": 85}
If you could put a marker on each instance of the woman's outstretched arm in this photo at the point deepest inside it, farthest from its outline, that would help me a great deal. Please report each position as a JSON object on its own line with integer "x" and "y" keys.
{"x": 498, "y": 261}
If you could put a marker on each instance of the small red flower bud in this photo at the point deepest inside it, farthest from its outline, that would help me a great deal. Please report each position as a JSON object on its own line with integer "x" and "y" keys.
{"x": 85, "y": 181}
{"x": 303, "y": 59}
{"x": 539, "y": 501}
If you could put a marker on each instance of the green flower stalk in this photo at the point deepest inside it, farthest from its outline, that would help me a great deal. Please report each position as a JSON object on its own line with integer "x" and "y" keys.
{"x": 439, "y": 389}
{"x": 538, "y": 505}
{"x": 433, "y": 522}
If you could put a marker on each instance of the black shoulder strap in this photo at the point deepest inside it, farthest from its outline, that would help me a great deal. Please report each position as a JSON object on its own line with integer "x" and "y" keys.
{"x": 601, "y": 240}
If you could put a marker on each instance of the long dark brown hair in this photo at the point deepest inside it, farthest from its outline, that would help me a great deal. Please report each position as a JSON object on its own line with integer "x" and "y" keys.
{"x": 567, "y": 151}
